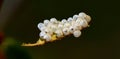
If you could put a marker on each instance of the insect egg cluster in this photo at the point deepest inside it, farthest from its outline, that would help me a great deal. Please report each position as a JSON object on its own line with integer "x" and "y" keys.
{"x": 72, "y": 25}
{"x": 54, "y": 29}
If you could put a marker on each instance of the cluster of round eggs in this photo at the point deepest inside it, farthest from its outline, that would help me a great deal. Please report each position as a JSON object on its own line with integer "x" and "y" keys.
{"x": 53, "y": 29}
{"x": 72, "y": 25}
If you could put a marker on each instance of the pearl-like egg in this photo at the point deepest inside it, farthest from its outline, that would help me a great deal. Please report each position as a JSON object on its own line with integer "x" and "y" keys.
{"x": 82, "y": 15}
{"x": 53, "y": 20}
{"x": 42, "y": 34}
{"x": 75, "y": 17}
{"x": 69, "y": 19}
{"x": 46, "y": 22}
{"x": 79, "y": 20}
{"x": 84, "y": 23}
{"x": 53, "y": 27}
{"x": 77, "y": 33}
{"x": 60, "y": 26}
{"x": 67, "y": 25}
{"x": 59, "y": 33}
{"x": 72, "y": 29}
{"x": 47, "y": 37}
{"x": 77, "y": 26}
{"x": 48, "y": 31}
{"x": 42, "y": 28}
{"x": 88, "y": 18}
{"x": 66, "y": 31}
{"x": 64, "y": 21}
{"x": 40, "y": 25}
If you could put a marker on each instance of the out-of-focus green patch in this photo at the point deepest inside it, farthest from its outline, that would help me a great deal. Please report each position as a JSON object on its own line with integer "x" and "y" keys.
{"x": 7, "y": 42}
{"x": 16, "y": 52}
{"x": 13, "y": 50}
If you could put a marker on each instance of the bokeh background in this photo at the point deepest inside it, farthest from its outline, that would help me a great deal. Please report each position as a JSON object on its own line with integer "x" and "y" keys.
{"x": 19, "y": 19}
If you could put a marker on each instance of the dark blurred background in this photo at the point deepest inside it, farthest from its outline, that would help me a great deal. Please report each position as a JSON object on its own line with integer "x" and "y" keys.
{"x": 19, "y": 19}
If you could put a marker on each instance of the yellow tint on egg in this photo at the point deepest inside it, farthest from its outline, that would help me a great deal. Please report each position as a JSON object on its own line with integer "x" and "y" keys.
{"x": 54, "y": 37}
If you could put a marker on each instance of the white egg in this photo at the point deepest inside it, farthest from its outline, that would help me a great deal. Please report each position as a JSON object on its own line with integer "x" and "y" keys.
{"x": 84, "y": 23}
{"x": 82, "y": 14}
{"x": 53, "y": 20}
{"x": 67, "y": 25}
{"x": 79, "y": 20}
{"x": 77, "y": 26}
{"x": 72, "y": 29}
{"x": 42, "y": 28}
{"x": 73, "y": 22}
{"x": 46, "y": 22}
{"x": 53, "y": 27}
{"x": 42, "y": 34}
{"x": 60, "y": 26}
{"x": 59, "y": 33}
{"x": 64, "y": 21}
{"x": 51, "y": 31}
{"x": 77, "y": 33}
{"x": 48, "y": 31}
{"x": 75, "y": 17}
{"x": 49, "y": 25}
{"x": 70, "y": 19}
{"x": 88, "y": 18}
{"x": 47, "y": 37}
{"x": 66, "y": 31}
{"x": 40, "y": 25}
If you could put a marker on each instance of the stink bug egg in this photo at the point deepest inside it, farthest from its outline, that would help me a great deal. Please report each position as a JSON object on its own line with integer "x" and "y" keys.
{"x": 59, "y": 33}
{"x": 84, "y": 23}
{"x": 72, "y": 29}
{"x": 79, "y": 20}
{"x": 42, "y": 28}
{"x": 82, "y": 14}
{"x": 46, "y": 22}
{"x": 42, "y": 34}
{"x": 66, "y": 31}
{"x": 77, "y": 33}
{"x": 40, "y": 25}
{"x": 53, "y": 27}
{"x": 47, "y": 37}
{"x": 64, "y": 21}
{"x": 70, "y": 19}
{"x": 60, "y": 26}
{"x": 67, "y": 25}
{"x": 53, "y": 20}
{"x": 88, "y": 18}
{"x": 77, "y": 26}
{"x": 48, "y": 30}
{"x": 75, "y": 17}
